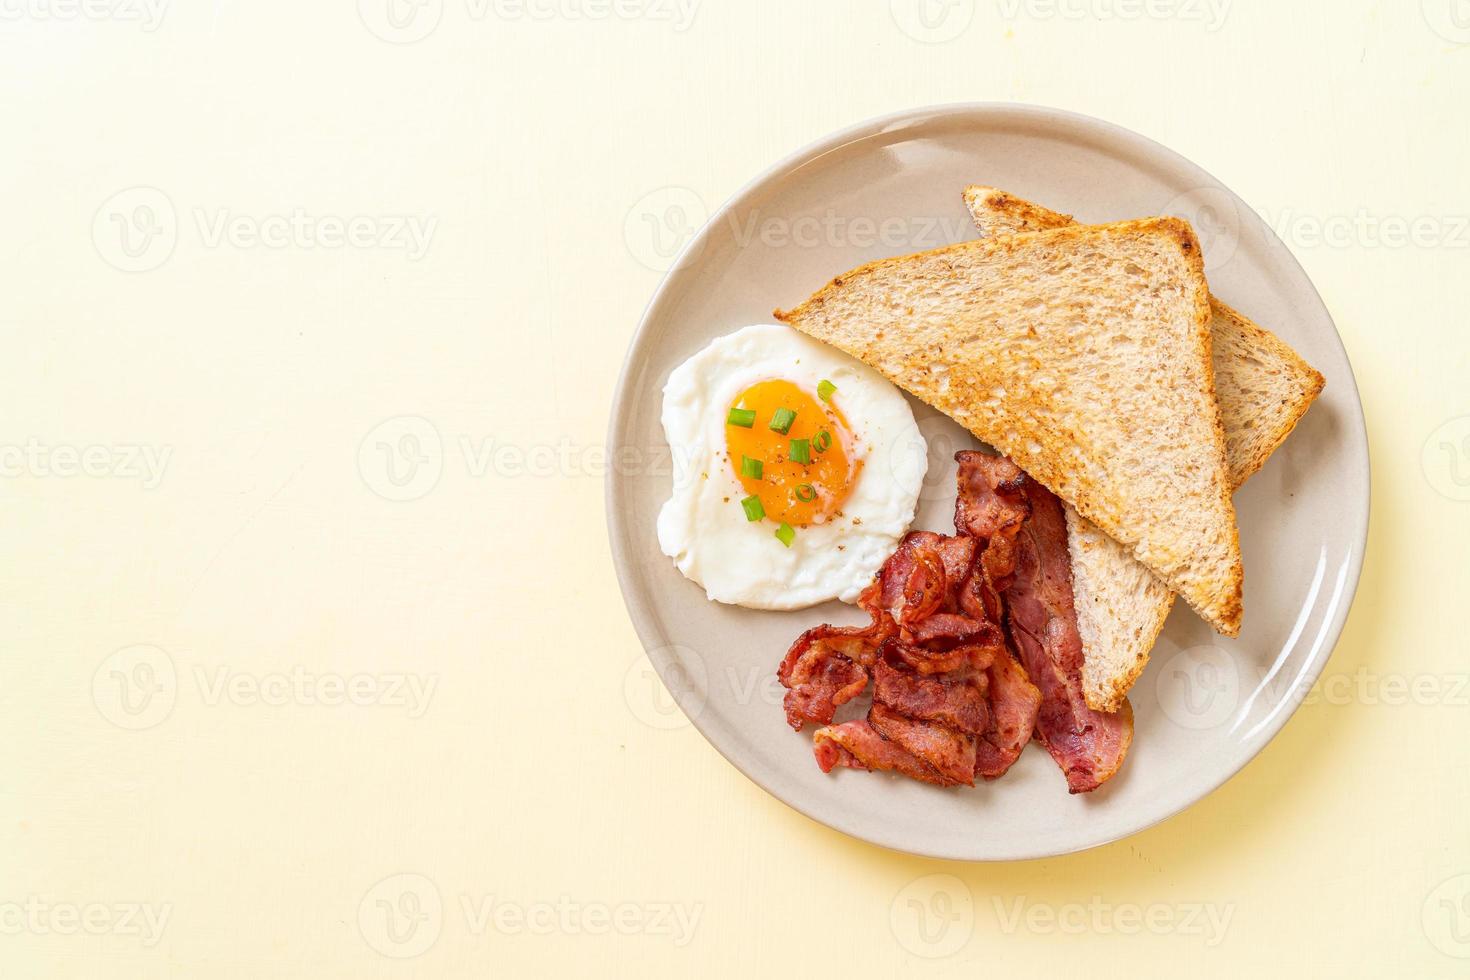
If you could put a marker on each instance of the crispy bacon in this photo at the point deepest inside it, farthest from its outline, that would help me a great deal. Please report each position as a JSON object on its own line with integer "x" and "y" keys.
{"x": 950, "y": 701}
{"x": 1088, "y": 745}
{"x": 942, "y": 658}
{"x": 949, "y": 753}
{"x": 990, "y": 500}
{"x": 936, "y": 714}
{"x": 957, "y": 699}
{"x": 958, "y": 556}
{"x": 824, "y": 669}
{"x": 1014, "y": 702}
{"x": 857, "y": 745}
{"x": 945, "y": 630}
{"x": 991, "y": 505}
{"x": 923, "y": 576}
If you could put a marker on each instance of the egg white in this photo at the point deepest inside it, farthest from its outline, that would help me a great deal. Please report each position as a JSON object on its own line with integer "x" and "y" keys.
{"x": 702, "y": 526}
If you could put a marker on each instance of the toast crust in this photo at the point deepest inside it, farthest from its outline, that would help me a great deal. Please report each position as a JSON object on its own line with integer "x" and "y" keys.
{"x": 1015, "y": 214}
{"x": 1201, "y": 561}
{"x": 1095, "y": 555}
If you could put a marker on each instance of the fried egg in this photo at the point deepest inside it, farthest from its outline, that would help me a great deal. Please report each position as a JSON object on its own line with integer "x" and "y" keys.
{"x": 797, "y": 470}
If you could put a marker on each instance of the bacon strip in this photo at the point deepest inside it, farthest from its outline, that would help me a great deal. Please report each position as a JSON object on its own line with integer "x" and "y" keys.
{"x": 857, "y": 745}
{"x": 828, "y": 666}
{"x": 945, "y": 630}
{"x": 1014, "y": 703}
{"x": 950, "y": 702}
{"x": 957, "y": 699}
{"x": 949, "y": 753}
{"x": 928, "y": 659}
{"x": 1088, "y": 745}
{"x": 990, "y": 501}
{"x": 824, "y": 669}
{"x": 991, "y": 505}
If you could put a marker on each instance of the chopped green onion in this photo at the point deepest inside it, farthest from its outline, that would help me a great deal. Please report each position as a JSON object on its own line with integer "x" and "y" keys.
{"x": 754, "y": 510}
{"x": 825, "y": 389}
{"x": 781, "y": 421}
{"x": 806, "y": 493}
{"x": 822, "y": 441}
{"x": 785, "y": 534}
{"x": 801, "y": 451}
{"x": 743, "y": 417}
{"x": 751, "y": 469}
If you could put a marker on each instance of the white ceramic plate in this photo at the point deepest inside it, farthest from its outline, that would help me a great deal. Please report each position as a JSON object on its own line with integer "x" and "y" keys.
{"x": 1206, "y": 705}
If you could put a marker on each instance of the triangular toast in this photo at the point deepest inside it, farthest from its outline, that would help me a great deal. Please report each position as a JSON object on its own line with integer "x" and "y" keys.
{"x": 1083, "y": 354}
{"x": 1263, "y": 387}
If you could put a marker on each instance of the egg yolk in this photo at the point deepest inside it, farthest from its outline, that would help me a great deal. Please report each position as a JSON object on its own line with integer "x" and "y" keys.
{"x": 799, "y": 493}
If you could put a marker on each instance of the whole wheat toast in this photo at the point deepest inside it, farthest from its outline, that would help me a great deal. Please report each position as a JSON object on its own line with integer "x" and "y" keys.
{"x": 1083, "y": 354}
{"x": 1263, "y": 388}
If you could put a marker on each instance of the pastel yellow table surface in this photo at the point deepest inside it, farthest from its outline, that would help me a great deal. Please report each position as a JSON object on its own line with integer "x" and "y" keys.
{"x": 314, "y": 661}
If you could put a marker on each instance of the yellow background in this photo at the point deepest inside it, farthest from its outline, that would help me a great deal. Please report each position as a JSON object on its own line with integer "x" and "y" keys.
{"x": 542, "y": 773}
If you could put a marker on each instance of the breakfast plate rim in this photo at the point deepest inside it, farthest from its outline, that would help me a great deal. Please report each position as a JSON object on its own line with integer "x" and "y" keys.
{"x": 989, "y": 114}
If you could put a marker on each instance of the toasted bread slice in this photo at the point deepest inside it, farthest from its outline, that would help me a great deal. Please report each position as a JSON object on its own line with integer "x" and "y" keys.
{"x": 1263, "y": 388}
{"x": 1081, "y": 353}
